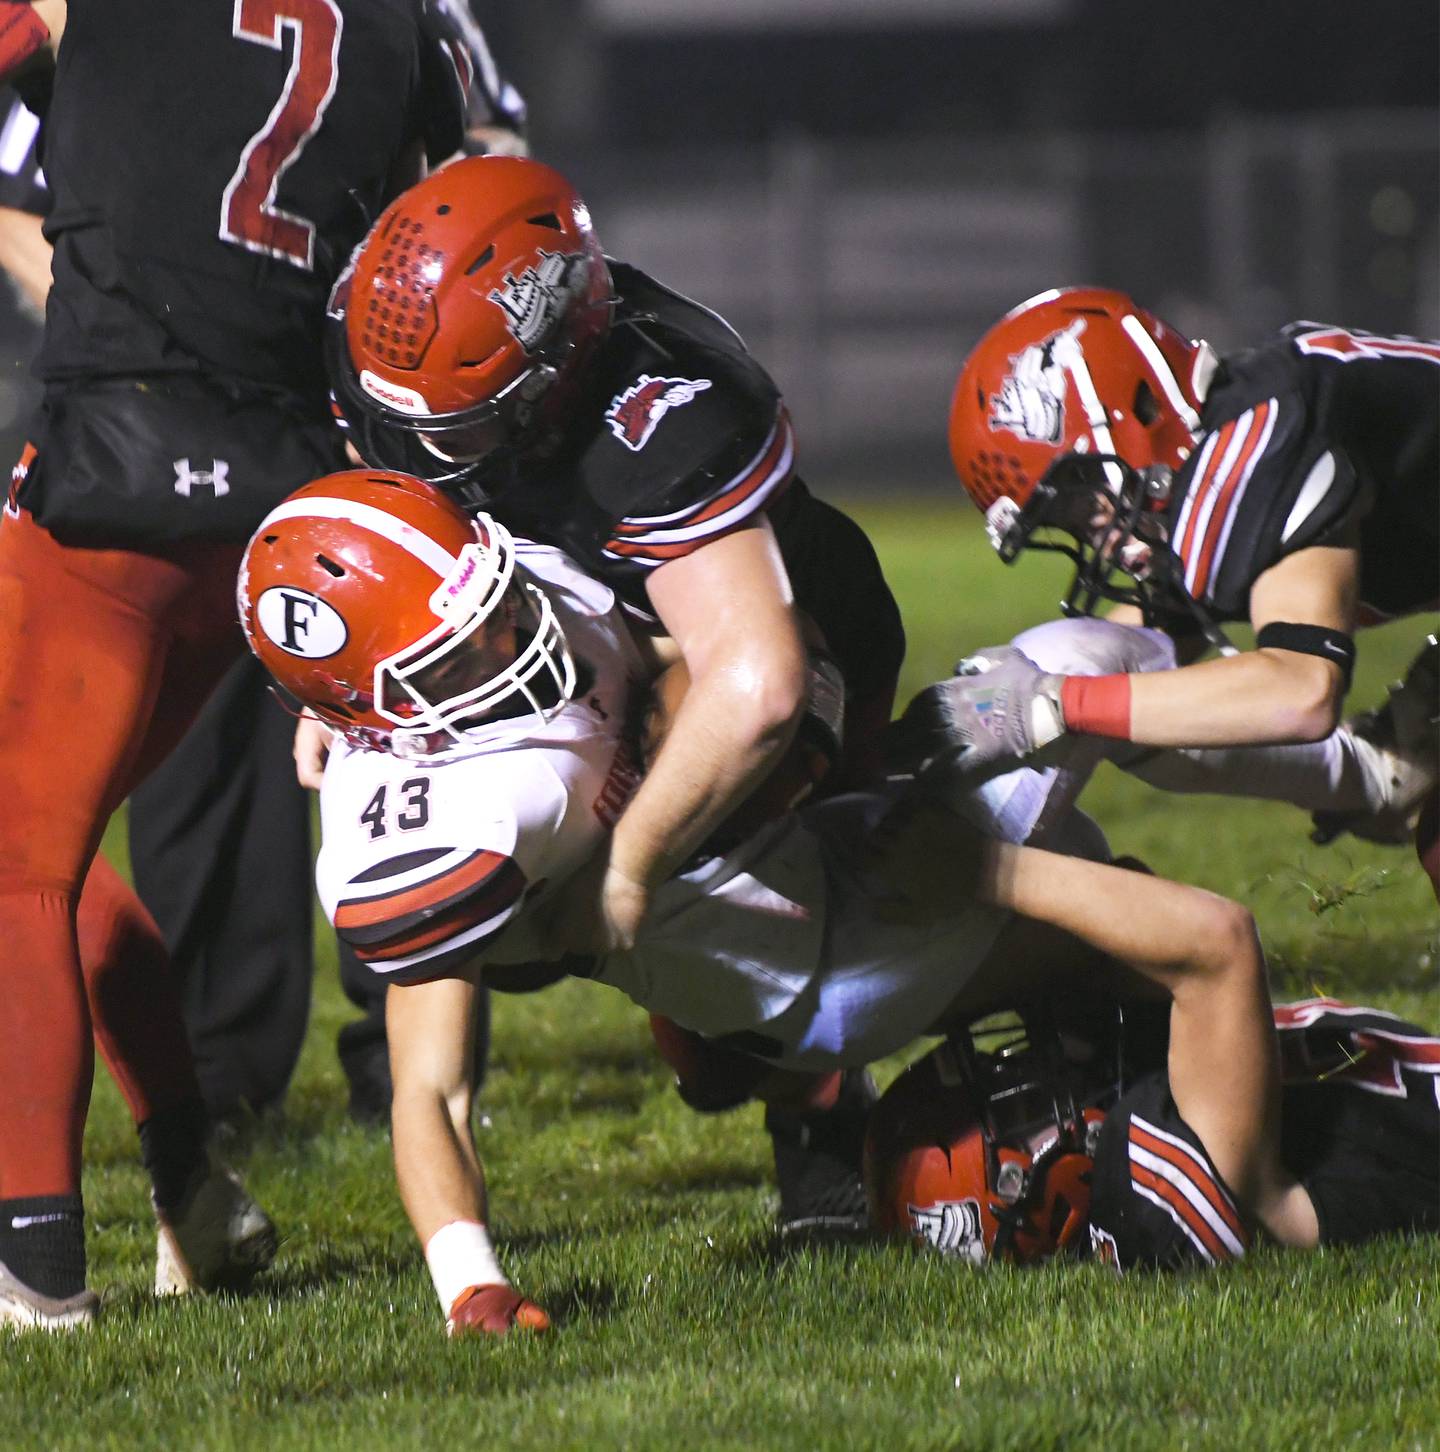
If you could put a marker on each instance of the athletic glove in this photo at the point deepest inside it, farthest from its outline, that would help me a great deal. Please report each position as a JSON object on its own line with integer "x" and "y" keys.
{"x": 493, "y": 1310}
{"x": 997, "y": 710}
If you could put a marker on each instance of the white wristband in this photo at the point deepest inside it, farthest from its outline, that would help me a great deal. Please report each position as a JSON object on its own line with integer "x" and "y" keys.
{"x": 460, "y": 1255}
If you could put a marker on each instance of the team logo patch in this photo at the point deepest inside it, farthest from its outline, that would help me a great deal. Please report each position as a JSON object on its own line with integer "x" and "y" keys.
{"x": 1031, "y": 401}
{"x": 216, "y": 478}
{"x": 300, "y": 623}
{"x": 632, "y": 415}
{"x": 951, "y": 1226}
{"x": 536, "y": 300}
{"x": 393, "y": 395}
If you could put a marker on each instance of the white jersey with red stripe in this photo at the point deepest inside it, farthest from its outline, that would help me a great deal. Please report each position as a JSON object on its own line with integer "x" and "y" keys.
{"x": 1360, "y": 1126}
{"x": 1322, "y": 436}
{"x": 428, "y": 865}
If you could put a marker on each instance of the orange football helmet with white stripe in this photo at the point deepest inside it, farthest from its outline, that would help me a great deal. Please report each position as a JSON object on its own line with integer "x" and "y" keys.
{"x": 1071, "y": 414}
{"x": 397, "y": 618}
{"x": 986, "y": 1155}
{"x": 464, "y": 315}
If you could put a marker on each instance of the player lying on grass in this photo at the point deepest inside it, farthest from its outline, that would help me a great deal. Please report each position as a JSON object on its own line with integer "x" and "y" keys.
{"x": 479, "y": 690}
{"x": 1295, "y": 486}
{"x": 1055, "y": 1139}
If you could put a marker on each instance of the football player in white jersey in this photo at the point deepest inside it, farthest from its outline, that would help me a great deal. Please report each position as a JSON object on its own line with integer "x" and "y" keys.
{"x": 480, "y": 690}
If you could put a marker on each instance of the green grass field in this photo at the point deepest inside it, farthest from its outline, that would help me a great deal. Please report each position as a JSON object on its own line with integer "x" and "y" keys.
{"x": 645, "y": 1229}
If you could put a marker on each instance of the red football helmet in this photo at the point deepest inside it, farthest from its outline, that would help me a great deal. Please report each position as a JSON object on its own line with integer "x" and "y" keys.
{"x": 1073, "y": 412}
{"x": 475, "y": 298}
{"x": 986, "y": 1155}
{"x": 397, "y": 618}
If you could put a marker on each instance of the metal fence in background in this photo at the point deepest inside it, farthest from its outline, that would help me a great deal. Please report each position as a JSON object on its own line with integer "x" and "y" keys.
{"x": 861, "y": 275}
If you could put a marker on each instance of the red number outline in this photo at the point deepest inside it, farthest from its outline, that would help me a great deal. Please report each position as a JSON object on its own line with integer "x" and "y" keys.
{"x": 248, "y": 214}
{"x": 1346, "y": 346}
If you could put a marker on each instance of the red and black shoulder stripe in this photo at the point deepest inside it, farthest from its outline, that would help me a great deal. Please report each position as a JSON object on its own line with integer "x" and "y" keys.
{"x": 424, "y": 912}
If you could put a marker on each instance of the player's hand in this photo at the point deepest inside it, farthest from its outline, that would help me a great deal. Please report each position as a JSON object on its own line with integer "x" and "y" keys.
{"x": 598, "y": 911}
{"x": 311, "y": 750}
{"x": 492, "y": 1311}
{"x": 998, "y": 709}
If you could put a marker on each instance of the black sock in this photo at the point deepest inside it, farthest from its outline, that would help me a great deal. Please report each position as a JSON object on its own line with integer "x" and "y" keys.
{"x": 172, "y": 1145}
{"x": 42, "y": 1242}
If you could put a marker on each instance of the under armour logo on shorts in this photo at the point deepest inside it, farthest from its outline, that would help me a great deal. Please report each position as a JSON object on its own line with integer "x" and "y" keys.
{"x": 216, "y": 477}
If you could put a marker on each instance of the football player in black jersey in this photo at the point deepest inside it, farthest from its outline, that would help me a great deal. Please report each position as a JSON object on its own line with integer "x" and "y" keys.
{"x": 1295, "y": 486}
{"x": 1053, "y": 1138}
{"x": 206, "y": 193}
{"x": 483, "y": 341}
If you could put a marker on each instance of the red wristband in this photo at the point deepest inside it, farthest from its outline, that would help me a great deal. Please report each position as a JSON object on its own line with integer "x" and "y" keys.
{"x": 1097, "y": 705}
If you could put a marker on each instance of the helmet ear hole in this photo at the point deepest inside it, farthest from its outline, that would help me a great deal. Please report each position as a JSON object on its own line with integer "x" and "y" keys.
{"x": 1146, "y": 407}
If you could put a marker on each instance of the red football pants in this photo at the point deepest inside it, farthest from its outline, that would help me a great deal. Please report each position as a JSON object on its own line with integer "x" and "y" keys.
{"x": 105, "y": 658}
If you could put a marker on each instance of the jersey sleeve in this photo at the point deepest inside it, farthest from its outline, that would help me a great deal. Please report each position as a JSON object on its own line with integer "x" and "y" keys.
{"x": 1157, "y": 1200}
{"x": 708, "y": 502}
{"x": 423, "y": 870}
{"x": 413, "y": 920}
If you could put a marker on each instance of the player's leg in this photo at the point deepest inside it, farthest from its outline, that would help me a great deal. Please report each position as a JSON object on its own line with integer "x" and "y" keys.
{"x": 219, "y": 848}
{"x": 78, "y": 683}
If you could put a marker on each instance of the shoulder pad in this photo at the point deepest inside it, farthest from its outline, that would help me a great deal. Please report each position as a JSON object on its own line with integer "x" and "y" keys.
{"x": 417, "y": 914}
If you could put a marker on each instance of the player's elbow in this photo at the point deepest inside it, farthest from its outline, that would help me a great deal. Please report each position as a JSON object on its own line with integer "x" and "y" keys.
{"x": 1307, "y": 696}
{"x": 763, "y": 685}
{"x": 1226, "y": 943}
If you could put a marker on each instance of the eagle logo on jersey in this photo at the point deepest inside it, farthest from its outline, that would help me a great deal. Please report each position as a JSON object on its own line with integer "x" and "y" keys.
{"x": 951, "y": 1226}
{"x": 1031, "y": 401}
{"x": 536, "y": 300}
{"x": 632, "y": 415}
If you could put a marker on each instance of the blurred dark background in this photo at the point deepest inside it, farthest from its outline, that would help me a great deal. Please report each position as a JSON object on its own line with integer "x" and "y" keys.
{"x": 862, "y": 186}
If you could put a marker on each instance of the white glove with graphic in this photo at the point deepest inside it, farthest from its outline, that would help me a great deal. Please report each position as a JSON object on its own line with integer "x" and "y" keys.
{"x": 998, "y": 709}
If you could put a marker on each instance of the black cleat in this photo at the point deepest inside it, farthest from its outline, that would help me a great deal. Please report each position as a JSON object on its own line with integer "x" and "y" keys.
{"x": 817, "y": 1161}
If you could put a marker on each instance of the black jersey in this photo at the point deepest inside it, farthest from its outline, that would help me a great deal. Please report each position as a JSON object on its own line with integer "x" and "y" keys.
{"x": 680, "y": 438}
{"x": 1321, "y": 436}
{"x": 213, "y": 162}
{"x": 1360, "y": 1130}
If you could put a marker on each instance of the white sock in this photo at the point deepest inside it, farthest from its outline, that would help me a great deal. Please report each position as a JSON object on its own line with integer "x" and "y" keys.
{"x": 460, "y": 1255}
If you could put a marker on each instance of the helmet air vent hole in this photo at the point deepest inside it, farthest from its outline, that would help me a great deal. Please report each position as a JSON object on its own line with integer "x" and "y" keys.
{"x": 546, "y": 219}
{"x": 271, "y": 538}
{"x": 330, "y": 567}
{"x": 1146, "y": 405}
{"x": 443, "y": 210}
{"x": 480, "y": 261}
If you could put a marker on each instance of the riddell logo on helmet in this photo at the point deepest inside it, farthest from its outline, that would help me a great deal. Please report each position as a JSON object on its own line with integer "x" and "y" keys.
{"x": 1031, "y": 401}
{"x": 406, "y": 400}
{"x": 951, "y": 1226}
{"x": 632, "y": 415}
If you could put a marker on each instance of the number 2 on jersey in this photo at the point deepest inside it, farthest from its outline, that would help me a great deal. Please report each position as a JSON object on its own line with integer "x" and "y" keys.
{"x": 248, "y": 214}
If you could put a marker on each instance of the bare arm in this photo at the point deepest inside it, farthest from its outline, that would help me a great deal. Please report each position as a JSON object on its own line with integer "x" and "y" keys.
{"x": 728, "y": 608}
{"x": 1259, "y": 696}
{"x": 430, "y": 1028}
{"x": 1224, "y": 1064}
{"x": 25, "y": 257}
{"x": 1202, "y": 949}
